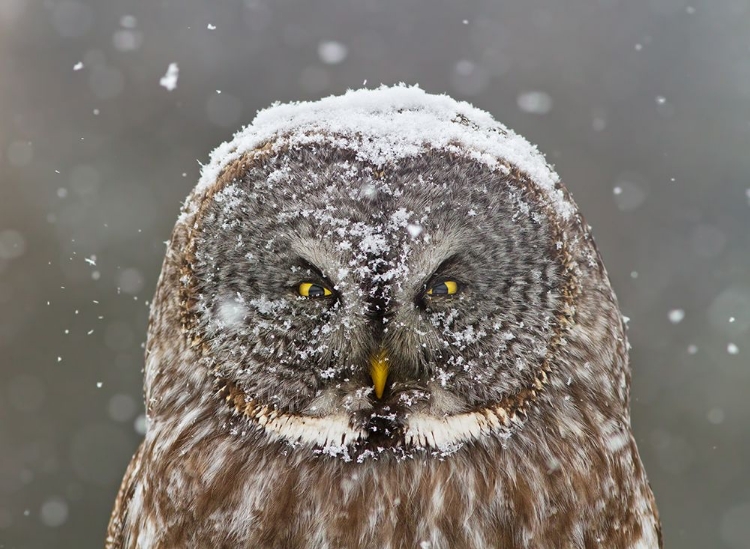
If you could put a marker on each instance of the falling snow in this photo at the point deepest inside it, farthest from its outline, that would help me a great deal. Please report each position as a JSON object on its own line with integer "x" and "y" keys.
{"x": 535, "y": 102}
{"x": 169, "y": 80}
{"x": 332, "y": 52}
{"x": 686, "y": 244}
{"x": 676, "y": 316}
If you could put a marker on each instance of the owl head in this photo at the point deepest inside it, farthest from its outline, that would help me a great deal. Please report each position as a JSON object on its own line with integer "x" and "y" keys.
{"x": 383, "y": 271}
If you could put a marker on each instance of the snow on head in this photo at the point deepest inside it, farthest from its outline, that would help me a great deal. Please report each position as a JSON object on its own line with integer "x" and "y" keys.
{"x": 386, "y": 124}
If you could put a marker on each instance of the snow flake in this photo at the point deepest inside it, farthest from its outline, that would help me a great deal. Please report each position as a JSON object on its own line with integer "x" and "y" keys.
{"x": 54, "y": 512}
{"x": 535, "y": 102}
{"x": 414, "y": 230}
{"x": 169, "y": 80}
{"x": 128, "y": 21}
{"x": 232, "y": 312}
{"x": 332, "y": 52}
{"x": 715, "y": 416}
{"x": 676, "y": 316}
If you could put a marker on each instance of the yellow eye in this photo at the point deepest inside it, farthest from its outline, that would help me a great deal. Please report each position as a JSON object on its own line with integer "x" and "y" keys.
{"x": 308, "y": 289}
{"x": 447, "y": 287}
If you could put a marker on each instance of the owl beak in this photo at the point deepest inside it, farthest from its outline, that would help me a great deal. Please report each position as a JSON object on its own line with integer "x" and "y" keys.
{"x": 379, "y": 372}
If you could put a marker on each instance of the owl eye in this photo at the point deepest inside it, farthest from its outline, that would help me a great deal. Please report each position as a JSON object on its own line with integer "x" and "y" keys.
{"x": 447, "y": 287}
{"x": 308, "y": 289}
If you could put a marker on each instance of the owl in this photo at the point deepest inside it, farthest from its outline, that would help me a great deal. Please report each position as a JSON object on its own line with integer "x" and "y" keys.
{"x": 382, "y": 323}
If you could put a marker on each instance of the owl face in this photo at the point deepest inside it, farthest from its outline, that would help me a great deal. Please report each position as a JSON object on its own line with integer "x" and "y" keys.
{"x": 341, "y": 303}
{"x": 382, "y": 322}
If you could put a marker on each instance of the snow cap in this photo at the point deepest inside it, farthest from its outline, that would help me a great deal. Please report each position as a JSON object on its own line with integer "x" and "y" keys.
{"x": 386, "y": 124}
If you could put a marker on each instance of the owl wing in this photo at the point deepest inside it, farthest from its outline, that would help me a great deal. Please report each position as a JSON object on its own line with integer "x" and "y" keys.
{"x": 657, "y": 519}
{"x": 115, "y": 534}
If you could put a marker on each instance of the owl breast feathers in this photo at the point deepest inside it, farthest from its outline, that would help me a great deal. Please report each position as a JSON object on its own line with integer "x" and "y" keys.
{"x": 382, "y": 323}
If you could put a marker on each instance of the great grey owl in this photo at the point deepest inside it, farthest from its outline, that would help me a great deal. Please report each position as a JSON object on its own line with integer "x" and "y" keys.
{"x": 383, "y": 323}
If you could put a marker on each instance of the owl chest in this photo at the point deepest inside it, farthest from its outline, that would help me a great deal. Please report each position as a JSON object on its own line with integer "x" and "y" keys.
{"x": 315, "y": 504}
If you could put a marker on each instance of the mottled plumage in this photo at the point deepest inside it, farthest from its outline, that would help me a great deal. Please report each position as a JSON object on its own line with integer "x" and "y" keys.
{"x": 427, "y": 234}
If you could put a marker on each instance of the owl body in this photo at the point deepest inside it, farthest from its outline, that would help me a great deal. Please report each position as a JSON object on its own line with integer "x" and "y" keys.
{"x": 382, "y": 322}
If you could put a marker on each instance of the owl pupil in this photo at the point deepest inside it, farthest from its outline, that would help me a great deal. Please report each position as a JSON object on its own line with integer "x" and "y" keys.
{"x": 315, "y": 291}
{"x": 440, "y": 289}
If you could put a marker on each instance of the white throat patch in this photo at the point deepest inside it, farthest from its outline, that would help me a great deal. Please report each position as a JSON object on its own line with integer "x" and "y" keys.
{"x": 334, "y": 435}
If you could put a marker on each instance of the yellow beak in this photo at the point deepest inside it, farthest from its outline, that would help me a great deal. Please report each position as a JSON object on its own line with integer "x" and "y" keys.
{"x": 379, "y": 372}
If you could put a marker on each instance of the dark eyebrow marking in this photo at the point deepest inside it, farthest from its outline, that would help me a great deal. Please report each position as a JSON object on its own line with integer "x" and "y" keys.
{"x": 305, "y": 264}
{"x": 446, "y": 265}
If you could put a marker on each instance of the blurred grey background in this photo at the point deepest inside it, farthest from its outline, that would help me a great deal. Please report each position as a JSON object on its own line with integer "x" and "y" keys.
{"x": 643, "y": 106}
